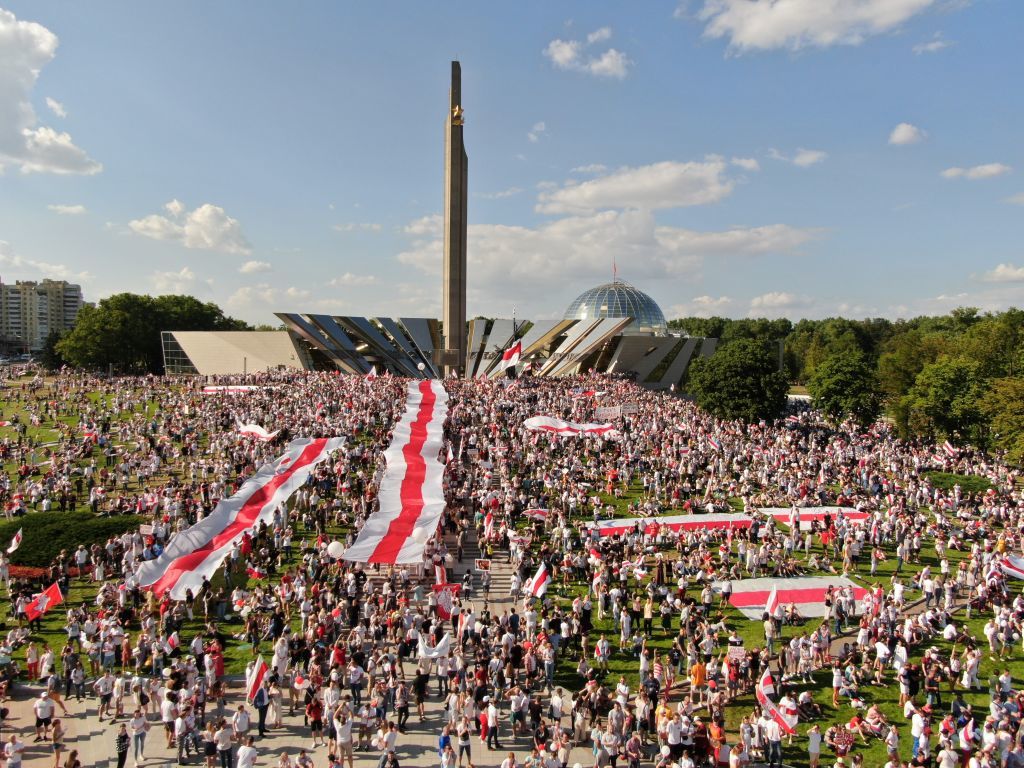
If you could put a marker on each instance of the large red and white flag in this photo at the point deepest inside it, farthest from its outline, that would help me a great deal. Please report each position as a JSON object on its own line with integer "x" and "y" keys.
{"x": 15, "y": 542}
{"x": 537, "y": 514}
{"x": 200, "y": 550}
{"x": 1011, "y": 565}
{"x": 560, "y": 427}
{"x": 411, "y": 496}
{"x": 43, "y": 602}
{"x": 255, "y": 430}
{"x": 254, "y": 679}
{"x": 787, "y": 722}
{"x": 650, "y": 525}
{"x": 767, "y": 683}
{"x": 510, "y": 357}
{"x": 440, "y": 574}
{"x": 949, "y": 449}
{"x": 751, "y": 596}
{"x": 538, "y": 585}
{"x": 446, "y": 594}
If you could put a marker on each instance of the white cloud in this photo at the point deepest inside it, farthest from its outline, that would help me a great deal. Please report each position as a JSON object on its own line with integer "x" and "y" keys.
{"x": 802, "y": 157}
{"x": 364, "y": 226}
{"x": 936, "y": 44}
{"x": 56, "y": 107}
{"x": 348, "y": 279}
{"x": 534, "y": 133}
{"x": 250, "y": 296}
{"x": 501, "y": 194}
{"x": 16, "y": 265}
{"x": 986, "y": 171}
{"x": 1004, "y": 273}
{"x": 761, "y": 25}
{"x": 1017, "y": 199}
{"x": 778, "y": 304}
{"x": 611, "y": 63}
{"x": 806, "y": 157}
{"x": 591, "y": 168}
{"x": 183, "y": 281}
{"x": 570, "y": 55}
{"x": 746, "y": 163}
{"x": 667, "y": 184}
{"x": 252, "y": 267}
{"x": 431, "y": 225}
{"x": 537, "y": 262}
{"x": 905, "y": 133}
{"x": 208, "y": 227}
{"x": 564, "y": 54}
{"x": 701, "y": 306}
{"x": 297, "y": 293}
{"x": 25, "y": 49}
{"x": 67, "y": 210}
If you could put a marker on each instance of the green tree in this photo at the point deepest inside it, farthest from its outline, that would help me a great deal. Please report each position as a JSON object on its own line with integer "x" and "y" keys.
{"x": 123, "y": 330}
{"x": 51, "y": 359}
{"x": 740, "y": 381}
{"x": 1003, "y": 406}
{"x": 945, "y": 401}
{"x": 844, "y": 386}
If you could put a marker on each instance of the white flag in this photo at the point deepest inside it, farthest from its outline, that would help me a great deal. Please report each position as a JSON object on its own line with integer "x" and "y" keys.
{"x": 15, "y": 542}
{"x": 438, "y": 651}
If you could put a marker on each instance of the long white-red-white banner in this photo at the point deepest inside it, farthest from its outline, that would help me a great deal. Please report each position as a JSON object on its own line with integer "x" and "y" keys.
{"x": 559, "y": 427}
{"x": 200, "y": 550}
{"x": 1012, "y": 565}
{"x": 650, "y": 525}
{"x": 411, "y": 495}
{"x": 815, "y": 514}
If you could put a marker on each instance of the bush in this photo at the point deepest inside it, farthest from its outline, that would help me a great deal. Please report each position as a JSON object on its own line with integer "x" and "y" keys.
{"x": 968, "y": 483}
{"x": 47, "y": 533}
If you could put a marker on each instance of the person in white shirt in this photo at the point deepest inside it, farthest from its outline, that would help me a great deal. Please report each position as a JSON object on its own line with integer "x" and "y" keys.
{"x": 773, "y": 734}
{"x": 137, "y": 727}
{"x": 12, "y": 751}
{"x": 240, "y": 724}
{"x": 43, "y": 708}
{"x": 246, "y": 757}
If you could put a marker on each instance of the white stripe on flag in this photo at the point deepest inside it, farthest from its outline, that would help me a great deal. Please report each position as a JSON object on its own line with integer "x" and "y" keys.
{"x": 411, "y": 496}
{"x": 200, "y": 550}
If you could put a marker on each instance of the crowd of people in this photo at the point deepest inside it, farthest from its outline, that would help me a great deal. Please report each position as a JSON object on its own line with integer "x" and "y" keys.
{"x": 633, "y": 656}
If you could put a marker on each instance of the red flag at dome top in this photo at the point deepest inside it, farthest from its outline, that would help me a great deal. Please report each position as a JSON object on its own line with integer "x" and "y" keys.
{"x": 510, "y": 357}
{"x": 446, "y": 594}
{"x": 43, "y": 602}
{"x": 255, "y": 678}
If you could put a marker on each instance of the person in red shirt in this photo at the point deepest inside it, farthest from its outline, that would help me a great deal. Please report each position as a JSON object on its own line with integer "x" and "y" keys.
{"x": 315, "y": 715}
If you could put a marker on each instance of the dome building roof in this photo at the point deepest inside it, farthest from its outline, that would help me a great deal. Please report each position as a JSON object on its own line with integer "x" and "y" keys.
{"x": 619, "y": 299}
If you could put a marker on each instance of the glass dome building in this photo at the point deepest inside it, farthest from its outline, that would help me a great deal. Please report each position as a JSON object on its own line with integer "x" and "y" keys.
{"x": 619, "y": 299}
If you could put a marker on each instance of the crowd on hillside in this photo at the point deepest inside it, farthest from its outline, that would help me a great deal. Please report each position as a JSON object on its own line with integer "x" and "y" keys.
{"x": 343, "y": 641}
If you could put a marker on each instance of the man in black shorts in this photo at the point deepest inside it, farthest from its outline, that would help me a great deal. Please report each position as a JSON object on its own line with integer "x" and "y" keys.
{"x": 43, "y": 707}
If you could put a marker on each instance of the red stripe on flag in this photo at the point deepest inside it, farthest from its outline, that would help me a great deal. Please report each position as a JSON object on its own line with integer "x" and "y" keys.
{"x": 243, "y": 521}
{"x": 411, "y": 492}
{"x": 811, "y": 595}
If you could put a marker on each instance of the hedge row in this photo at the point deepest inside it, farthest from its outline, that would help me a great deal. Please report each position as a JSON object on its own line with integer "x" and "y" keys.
{"x": 47, "y": 533}
{"x": 968, "y": 483}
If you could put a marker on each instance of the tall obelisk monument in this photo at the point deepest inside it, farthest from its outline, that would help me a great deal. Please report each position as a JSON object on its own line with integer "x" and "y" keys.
{"x": 456, "y": 193}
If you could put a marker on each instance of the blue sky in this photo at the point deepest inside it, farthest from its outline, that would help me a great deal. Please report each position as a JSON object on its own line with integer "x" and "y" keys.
{"x": 855, "y": 157}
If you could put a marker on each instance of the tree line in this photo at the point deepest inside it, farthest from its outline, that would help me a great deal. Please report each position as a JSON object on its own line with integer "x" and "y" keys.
{"x": 957, "y": 377}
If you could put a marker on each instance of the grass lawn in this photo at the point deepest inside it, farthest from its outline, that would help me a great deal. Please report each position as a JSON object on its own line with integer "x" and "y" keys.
{"x": 626, "y": 664}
